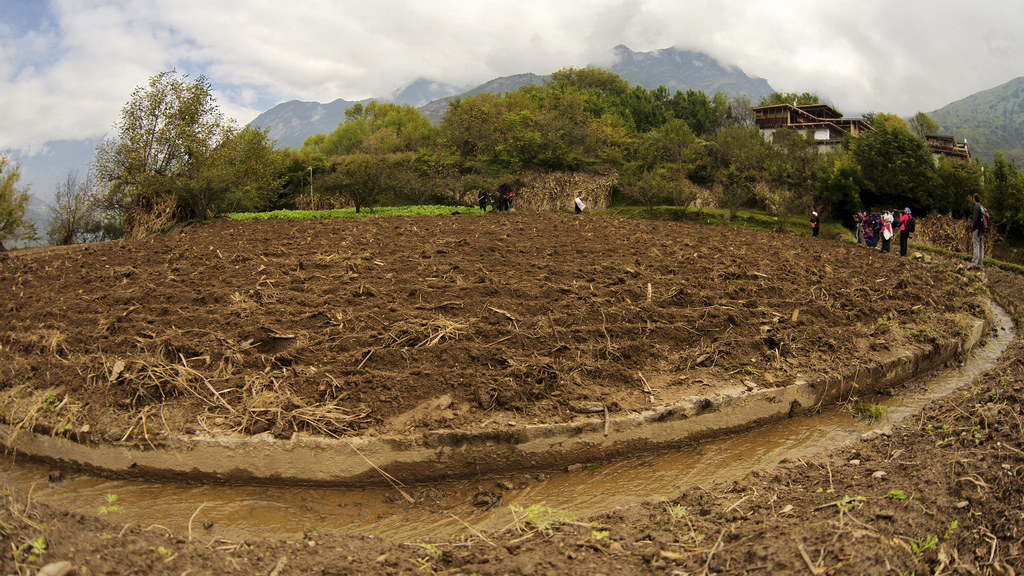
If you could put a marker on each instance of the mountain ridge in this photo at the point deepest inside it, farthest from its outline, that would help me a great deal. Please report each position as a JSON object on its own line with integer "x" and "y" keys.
{"x": 290, "y": 123}
{"x": 989, "y": 120}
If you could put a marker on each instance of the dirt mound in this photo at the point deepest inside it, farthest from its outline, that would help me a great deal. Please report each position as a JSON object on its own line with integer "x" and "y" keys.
{"x": 398, "y": 325}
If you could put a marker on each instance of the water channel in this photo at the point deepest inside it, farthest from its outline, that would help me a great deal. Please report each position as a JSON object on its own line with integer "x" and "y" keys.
{"x": 449, "y": 511}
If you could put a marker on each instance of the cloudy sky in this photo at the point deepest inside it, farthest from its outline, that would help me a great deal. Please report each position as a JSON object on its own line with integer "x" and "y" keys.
{"x": 68, "y": 66}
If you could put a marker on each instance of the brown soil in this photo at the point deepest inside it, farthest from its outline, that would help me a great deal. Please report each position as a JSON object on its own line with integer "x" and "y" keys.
{"x": 399, "y": 325}
{"x": 355, "y": 327}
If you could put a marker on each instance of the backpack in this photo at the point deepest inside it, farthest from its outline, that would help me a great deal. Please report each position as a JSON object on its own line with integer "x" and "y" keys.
{"x": 910, "y": 225}
{"x": 986, "y": 221}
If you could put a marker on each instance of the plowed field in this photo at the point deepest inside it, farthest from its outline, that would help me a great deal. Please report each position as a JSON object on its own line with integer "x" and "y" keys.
{"x": 391, "y": 325}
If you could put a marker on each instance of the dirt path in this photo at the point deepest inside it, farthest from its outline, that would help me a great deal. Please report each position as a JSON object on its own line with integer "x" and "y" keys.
{"x": 549, "y": 310}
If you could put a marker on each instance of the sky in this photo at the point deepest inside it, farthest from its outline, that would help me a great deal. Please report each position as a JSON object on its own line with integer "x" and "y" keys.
{"x": 67, "y": 67}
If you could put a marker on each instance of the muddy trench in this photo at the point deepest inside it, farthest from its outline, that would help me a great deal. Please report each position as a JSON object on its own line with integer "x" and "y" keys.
{"x": 453, "y": 510}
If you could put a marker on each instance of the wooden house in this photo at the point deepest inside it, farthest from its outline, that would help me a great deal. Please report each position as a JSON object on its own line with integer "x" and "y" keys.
{"x": 822, "y": 122}
{"x": 947, "y": 146}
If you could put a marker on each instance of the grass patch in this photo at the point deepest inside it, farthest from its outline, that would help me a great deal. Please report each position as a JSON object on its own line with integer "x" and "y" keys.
{"x": 426, "y": 210}
{"x": 868, "y": 413}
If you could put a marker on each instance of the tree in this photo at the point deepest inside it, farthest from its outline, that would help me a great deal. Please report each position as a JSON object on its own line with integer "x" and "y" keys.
{"x": 899, "y": 167}
{"x": 167, "y": 129}
{"x": 789, "y": 98}
{"x": 1006, "y": 196}
{"x": 957, "y": 183}
{"x": 241, "y": 173}
{"x": 361, "y": 179}
{"x": 15, "y": 224}
{"x": 922, "y": 125}
{"x": 879, "y": 120}
{"x": 838, "y": 187}
{"x": 75, "y": 214}
{"x": 696, "y": 109}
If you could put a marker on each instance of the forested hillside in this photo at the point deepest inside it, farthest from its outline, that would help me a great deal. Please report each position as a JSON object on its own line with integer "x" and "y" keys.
{"x": 990, "y": 120}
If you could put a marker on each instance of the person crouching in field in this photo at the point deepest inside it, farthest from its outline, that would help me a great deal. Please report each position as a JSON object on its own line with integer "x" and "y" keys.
{"x": 578, "y": 203}
{"x": 482, "y": 199}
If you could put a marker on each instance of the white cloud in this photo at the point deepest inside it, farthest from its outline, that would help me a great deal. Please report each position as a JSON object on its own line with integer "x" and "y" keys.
{"x": 68, "y": 76}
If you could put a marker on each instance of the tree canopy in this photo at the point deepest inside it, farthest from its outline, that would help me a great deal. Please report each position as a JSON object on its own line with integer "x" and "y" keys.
{"x": 175, "y": 156}
{"x": 15, "y": 224}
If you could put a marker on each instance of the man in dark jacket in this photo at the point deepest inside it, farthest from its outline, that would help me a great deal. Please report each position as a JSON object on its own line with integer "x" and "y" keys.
{"x": 978, "y": 235}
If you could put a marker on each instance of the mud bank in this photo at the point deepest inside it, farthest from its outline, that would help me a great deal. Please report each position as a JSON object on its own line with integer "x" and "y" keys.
{"x": 452, "y": 454}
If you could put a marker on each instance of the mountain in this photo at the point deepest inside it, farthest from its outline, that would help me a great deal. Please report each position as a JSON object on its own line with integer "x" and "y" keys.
{"x": 422, "y": 91}
{"x": 435, "y": 110}
{"x": 685, "y": 70}
{"x": 989, "y": 120}
{"x": 292, "y": 122}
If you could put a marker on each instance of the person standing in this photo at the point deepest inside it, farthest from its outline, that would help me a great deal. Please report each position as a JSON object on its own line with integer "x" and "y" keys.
{"x": 578, "y": 203}
{"x": 815, "y": 223}
{"x": 887, "y": 219}
{"x": 978, "y": 235}
{"x": 906, "y": 227}
{"x": 504, "y": 197}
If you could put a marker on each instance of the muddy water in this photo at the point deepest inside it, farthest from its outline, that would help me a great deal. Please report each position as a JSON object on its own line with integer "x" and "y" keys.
{"x": 446, "y": 512}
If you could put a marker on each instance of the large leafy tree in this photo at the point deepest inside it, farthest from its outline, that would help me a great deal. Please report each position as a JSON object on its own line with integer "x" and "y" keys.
{"x": 839, "y": 186}
{"x": 957, "y": 182}
{"x": 1006, "y": 196}
{"x": 241, "y": 173}
{"x": 361, "y": 179}
{"x": 14, "y": 221}
{"x": 898, "y": 166}
{"x": 922, "y": 125}
{"x": 167, "y": 130}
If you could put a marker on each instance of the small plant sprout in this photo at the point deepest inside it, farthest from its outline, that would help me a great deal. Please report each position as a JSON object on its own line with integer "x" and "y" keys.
{"x": 949, "y": 530}
{"x": 677, "y": 511}
{"x": 896, "y": 495}
{"x": 36, "y": 549}
{"x": 599, "y": 534}
{"x": 51, "y": 400}
{"x": 110, "y": 506}
{"x": 431, "y": 549}
{"x": 848, "y": 503}
{"x": 161, "y": 551}
{"x": 920, "y": 546}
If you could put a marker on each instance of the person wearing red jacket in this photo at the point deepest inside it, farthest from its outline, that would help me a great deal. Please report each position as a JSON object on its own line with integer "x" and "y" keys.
{"x": 906, "y": 227}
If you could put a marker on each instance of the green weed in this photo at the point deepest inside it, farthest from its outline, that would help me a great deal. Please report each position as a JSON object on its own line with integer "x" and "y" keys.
{"x": 868, "y": 413}
{"x": 950, "y": 529}
{"x": 36, "y": 549}
{"x": 110, "y": 506}
{"x": 51, "y": 400}
{"x": 540, "y": 516}
{"x": 896, "y": 495}
{"x": 920, "y": 546}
